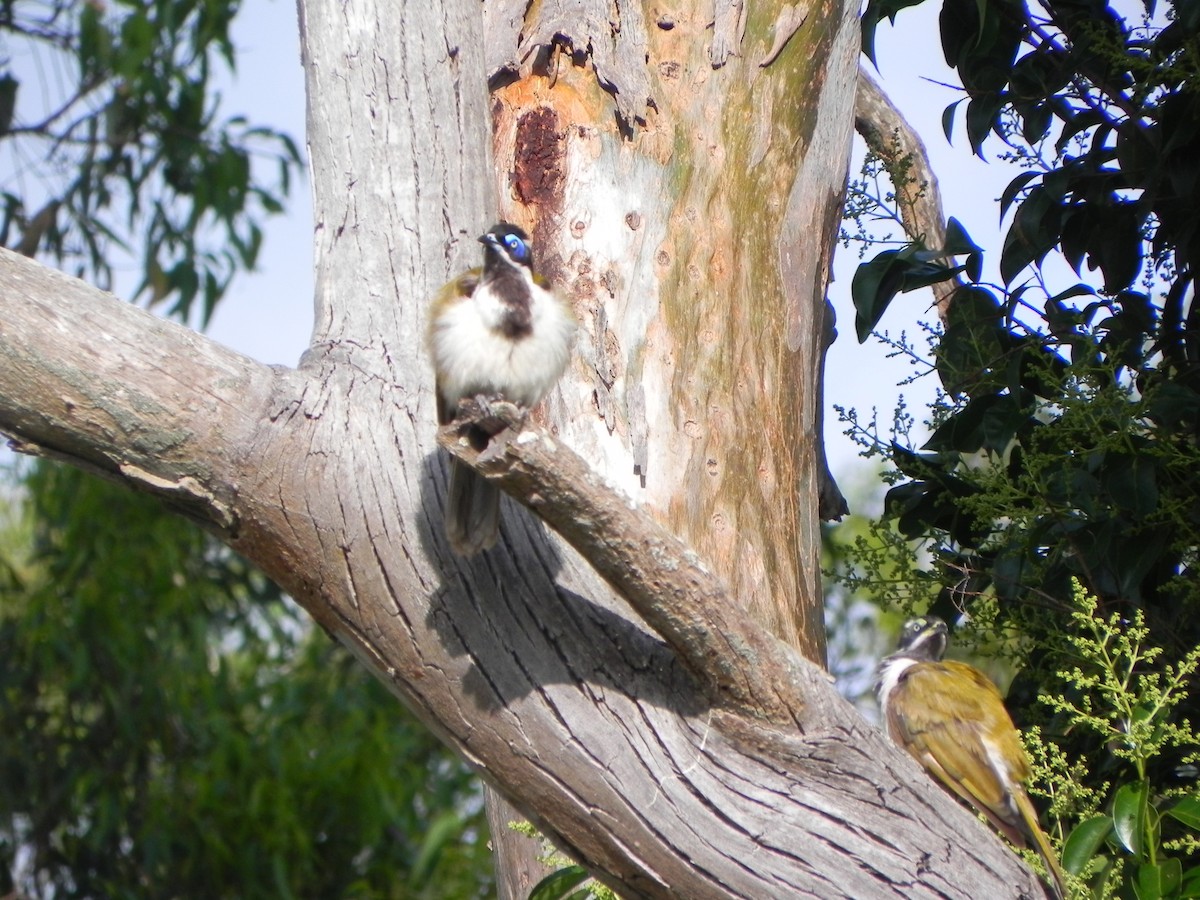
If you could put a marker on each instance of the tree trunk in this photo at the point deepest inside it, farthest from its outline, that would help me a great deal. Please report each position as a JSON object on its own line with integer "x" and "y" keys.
{"x": 519, "y": 865}
{"x": 691, "y": 227}
{"x": 673, "y": 745}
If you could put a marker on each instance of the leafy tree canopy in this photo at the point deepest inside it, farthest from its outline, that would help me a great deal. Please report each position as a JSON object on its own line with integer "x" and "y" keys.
{"x": 1064, "y": 444}
{"x": 174, "y": 728}
{"x": 116, "y": 149}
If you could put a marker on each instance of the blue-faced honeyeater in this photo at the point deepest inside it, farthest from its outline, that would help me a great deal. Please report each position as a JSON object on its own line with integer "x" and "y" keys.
{"x": 494, "y": 332}
{"x": 951, "y": 718}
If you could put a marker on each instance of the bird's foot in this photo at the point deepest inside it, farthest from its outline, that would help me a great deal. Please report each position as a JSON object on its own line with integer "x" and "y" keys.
{"x": 496, "y": 414}
{"x": 482, "y": 417}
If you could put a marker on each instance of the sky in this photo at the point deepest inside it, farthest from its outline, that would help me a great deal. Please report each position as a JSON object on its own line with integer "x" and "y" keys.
{"x": 268, "y": 313}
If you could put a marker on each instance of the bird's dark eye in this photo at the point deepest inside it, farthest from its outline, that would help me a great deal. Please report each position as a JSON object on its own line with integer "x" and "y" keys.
{"x": 517, "y": 248}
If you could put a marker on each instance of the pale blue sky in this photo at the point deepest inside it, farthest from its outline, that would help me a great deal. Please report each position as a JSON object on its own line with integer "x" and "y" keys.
{"x": 268, "y": 314}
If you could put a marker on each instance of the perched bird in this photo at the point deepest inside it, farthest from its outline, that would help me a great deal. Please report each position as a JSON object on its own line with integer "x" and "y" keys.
{"x": 495, "y": 331}
{"x": 951, "y": 718}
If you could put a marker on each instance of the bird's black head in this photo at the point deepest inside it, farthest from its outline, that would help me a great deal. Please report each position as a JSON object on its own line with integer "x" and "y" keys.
{"x": 923, "y": 638}
{"x": 506, "y": 244}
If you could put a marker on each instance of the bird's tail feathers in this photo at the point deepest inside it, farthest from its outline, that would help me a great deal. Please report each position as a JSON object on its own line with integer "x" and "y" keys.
{"x": 472, "y": 511}
{"x": 1042, "y": 843}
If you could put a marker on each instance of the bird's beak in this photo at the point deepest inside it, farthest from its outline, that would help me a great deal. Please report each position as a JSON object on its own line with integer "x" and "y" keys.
{"x": 489, "y": 239}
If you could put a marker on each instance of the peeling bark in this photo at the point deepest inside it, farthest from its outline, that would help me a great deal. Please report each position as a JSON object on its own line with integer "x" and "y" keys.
{"x": 695, "y": 247}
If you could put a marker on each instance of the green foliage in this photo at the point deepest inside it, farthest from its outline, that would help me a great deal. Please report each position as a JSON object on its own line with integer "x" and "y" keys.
{"x": 565, "y": 876}
{"x": 561, "y": 884}
{"x": 891, "y": 272}
{"x": 1132, "y": 839}
{"x": 132, "y": 161}
{"x": 1065, "y": 447}
{"x": 173, "y": 727}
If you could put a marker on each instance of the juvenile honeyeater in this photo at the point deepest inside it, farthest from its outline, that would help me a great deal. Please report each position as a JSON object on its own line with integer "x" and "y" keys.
{"x": 951, "y": 718}
{"x": 497, "y": 331}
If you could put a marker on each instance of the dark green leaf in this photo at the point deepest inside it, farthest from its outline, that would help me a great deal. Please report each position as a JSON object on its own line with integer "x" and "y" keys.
{"x": 983, "y": 115}
{"x": 1040, "y": 73}
{"x": 1129, "y": 816}
{"x": 1191, "y": 883}
{"x": 1032, "y": 234}
{"x": 918, "y": 275}
{"x": 1036, "y": 119}
{"x": 1161, "y": 880}
{"x": 963, "y": 432}
{"x": 1116, "y": 247}
{"x": 1185, "y": 810}
{"x": 557, "y": 884}
{"x": 948, "y": 121}
{"x": 958, "y": 242}
{"x": 1013, "y": 190}
{"x": 872, "y": 288}
{"x": 1083, "y": 842}
{"x": 876, "y": 11}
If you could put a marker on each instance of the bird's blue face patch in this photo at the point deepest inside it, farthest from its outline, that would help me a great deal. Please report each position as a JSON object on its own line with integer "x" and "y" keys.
{"x": 518, "y": 250}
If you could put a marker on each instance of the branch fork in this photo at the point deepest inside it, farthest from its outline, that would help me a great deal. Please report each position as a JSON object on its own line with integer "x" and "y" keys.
{"x": 744, "y": 669}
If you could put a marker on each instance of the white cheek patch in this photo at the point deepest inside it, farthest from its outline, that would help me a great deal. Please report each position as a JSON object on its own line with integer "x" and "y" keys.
{"x": 890, "y": 673}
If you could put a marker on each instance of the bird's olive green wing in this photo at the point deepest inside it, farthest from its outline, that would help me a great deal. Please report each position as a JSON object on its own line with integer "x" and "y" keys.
{"x": 951, "y": 718}
{"x": 466, "y": 283}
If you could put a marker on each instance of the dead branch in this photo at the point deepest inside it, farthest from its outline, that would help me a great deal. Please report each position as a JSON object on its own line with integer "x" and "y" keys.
{"x": 744, "y": 668}
{"x": 918, "y": 198}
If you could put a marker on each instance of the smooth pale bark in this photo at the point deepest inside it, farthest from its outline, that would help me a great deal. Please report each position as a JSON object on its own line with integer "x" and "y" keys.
{"x": 684, "y": 188}
{"x": 618, "y": 745}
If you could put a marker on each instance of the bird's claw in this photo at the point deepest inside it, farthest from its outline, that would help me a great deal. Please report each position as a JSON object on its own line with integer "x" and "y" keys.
{"x": 482, "y": 417}
{"x": 496, "y": 414}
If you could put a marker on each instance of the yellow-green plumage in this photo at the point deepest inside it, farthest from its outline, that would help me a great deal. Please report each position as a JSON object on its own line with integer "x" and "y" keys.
{"x": 952, "y": 719}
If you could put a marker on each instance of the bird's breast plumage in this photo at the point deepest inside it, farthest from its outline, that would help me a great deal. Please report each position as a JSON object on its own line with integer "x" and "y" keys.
{"x": 487, "y": 344}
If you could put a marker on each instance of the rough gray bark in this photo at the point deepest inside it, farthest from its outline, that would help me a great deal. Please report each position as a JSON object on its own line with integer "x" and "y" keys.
{"x": 588, "y": 715}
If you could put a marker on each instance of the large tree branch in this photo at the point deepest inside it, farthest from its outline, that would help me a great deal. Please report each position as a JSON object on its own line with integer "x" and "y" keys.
{"x": 523, "y": 659}
{"x": 78, "y": 391}
{"x": 564, "y": 702}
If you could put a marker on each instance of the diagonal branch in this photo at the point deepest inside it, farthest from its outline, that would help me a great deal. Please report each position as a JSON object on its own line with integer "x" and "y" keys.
{"x": 106, "y": 386}
{"x": 742, "y": 666}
